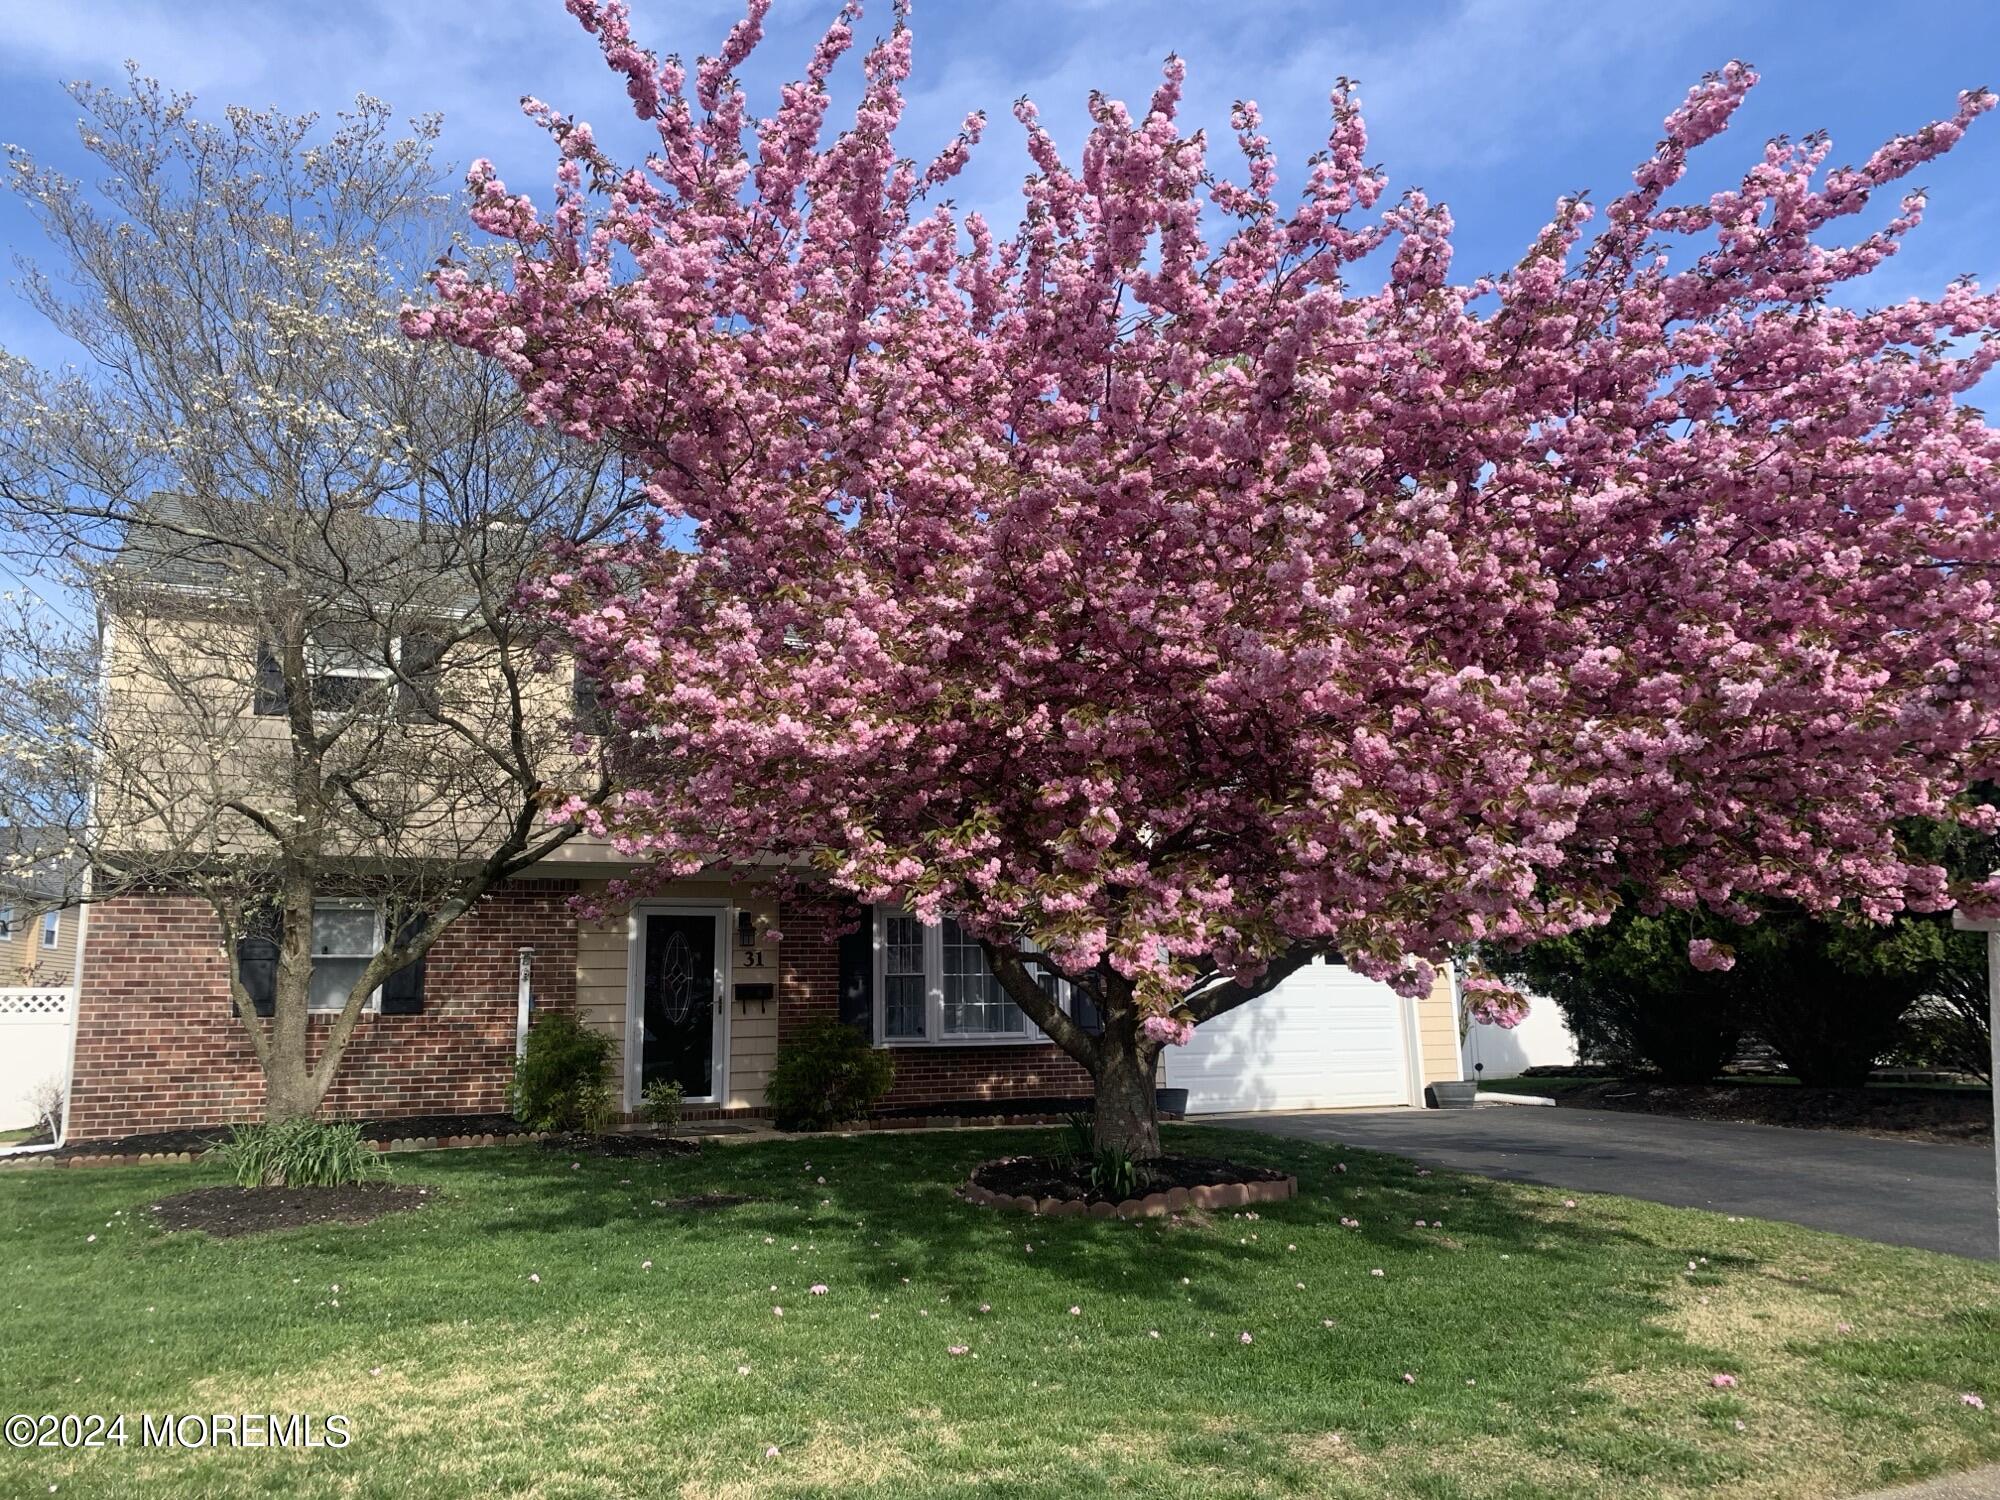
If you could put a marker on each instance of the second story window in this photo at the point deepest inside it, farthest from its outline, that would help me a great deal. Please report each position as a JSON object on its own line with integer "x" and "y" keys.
{"x": 51, "y": 928}
{"x": 347, "y": 667}
{"x": 6, "y": 923}
{"x": 584, "y": 703}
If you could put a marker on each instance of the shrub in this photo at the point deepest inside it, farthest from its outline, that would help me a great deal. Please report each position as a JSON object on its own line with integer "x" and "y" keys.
{"x": 46, "y": 1100}
{"x": 824, "y": 1075}
{"x": 1629, "y": 996}
{"x": 663, "y": 1103}
{"x": 563, "y": 1081}
{"x": 1948, "y": 1032}
{"x": 299, "y": 1153}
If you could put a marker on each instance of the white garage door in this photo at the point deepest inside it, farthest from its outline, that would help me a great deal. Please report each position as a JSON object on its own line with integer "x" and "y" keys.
{"x": 1323, "y": 1039}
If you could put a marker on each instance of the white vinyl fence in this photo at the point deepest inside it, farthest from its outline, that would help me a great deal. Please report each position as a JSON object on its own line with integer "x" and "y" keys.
{"x": 34, "y": 1049}
{"x": 1540, "y": 1040}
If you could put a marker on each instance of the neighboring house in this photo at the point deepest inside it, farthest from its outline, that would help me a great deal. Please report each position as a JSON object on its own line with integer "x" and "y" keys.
{"x": 39, "y": 931}
{"x": 699, "y": 983}
{"x": 39, "y": 925}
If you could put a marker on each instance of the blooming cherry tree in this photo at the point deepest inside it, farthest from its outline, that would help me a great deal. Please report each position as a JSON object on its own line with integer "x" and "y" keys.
{"x": 1188, "y": 581}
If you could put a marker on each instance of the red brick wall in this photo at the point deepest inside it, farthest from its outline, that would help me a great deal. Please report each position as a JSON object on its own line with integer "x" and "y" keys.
{"x": 809, "y": 990}
{"x": 158, "y": 1048}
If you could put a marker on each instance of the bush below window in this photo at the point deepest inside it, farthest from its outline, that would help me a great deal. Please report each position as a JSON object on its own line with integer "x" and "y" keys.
{"x": 825, "y": 1075}
{"x": 663, "y": 1103}
{"x": 563, "y": 1081}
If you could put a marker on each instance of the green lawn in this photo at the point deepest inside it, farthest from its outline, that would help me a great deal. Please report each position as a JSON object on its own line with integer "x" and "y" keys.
{"x": 1555, "y": 1351}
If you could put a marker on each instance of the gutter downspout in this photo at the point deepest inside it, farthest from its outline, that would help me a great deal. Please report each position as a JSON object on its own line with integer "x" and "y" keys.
{"x": 524, "y": 1001}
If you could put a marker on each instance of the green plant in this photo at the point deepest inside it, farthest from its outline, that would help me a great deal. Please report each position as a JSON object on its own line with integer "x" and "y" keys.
{"x": 663, "y": 1103}
{"x": 825, "y": 1074}
{"x": 1079, "y": 1130}
{"x": 563, "y": 1080}
{"x": 1114, "y": 1174}
{"x": 299, "y": 1153}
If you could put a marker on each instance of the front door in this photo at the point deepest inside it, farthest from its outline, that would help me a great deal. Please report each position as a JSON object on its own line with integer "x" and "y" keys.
{"x": 680, "y": 1035}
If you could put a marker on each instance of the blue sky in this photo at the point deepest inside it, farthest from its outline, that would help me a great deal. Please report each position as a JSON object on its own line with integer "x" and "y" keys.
{"x": 1495, "y": 106}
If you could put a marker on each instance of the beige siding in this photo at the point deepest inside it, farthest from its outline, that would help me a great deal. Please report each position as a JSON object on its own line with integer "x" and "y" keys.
{"x": 24, "y": 962}
{"x": 1437, "y": 1033}
{"x": 602, "y": 958}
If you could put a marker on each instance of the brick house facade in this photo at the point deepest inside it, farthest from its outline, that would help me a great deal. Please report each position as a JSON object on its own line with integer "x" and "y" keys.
{"x": 159, "y": 1048}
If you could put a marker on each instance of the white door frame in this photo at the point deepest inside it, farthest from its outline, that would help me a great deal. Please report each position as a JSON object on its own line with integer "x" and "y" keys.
{"x": 635, "y": 994}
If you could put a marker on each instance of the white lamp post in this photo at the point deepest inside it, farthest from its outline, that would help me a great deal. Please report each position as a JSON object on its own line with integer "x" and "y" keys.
{"x": 1991, "y": 928}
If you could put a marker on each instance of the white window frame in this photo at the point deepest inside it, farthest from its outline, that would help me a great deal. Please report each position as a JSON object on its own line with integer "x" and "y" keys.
{"x": 373, "y": 1003}
{"x": 327, "y": 660}
{"x": 51, "y": 929}
{"x": 935, "y": 1035}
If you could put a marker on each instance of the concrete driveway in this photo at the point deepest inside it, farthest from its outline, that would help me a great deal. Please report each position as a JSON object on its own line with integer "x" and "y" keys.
{"x": 1897, "y": 1192}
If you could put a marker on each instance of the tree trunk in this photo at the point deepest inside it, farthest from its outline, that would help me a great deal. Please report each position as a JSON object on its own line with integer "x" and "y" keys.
{"x": 288, "y": 1092}
{"x": 1128, "y": 1119}
{"x": 1127, "y": 1114}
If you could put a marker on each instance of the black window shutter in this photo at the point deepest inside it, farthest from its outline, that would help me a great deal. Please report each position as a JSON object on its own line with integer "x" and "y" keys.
{"x": 584, "y": 702}
{"x": 857, "y": 975}
{"x": 271, "y": 695}
{"x": 403, "y": 991}
{"x": 257, "y": 964}
{"x": 418, "y": 659}
{"x": 1082, "y": 1007}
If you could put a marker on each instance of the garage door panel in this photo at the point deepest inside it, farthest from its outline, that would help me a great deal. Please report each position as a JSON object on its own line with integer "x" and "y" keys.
{"x": 1324, "y": 1038}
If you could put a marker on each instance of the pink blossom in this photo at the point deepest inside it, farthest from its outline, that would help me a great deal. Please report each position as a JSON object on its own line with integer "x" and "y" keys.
{"x": 1977, "y": 1403}
{"x": 1657, "y": 565}
{"x": 1723, "y": 1382}
{"x": 817, "y": 1289}
{"x": 1706, "y": 953}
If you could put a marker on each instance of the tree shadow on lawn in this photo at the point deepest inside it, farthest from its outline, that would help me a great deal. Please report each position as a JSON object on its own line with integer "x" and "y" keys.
{"x": 900, "y": 1192}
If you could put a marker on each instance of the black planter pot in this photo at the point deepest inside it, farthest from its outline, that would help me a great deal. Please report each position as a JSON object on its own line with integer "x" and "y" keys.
{"x": 1452, "y": 1095}
{"x": 1170, "y": 1101}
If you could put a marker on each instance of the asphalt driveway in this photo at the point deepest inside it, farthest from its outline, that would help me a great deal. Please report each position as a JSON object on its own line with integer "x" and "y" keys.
{"x": 1898, "y": 1192}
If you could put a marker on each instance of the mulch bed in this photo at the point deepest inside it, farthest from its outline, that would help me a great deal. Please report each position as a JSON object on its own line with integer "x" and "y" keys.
{"x": 229, "y": 1211}
{"x": 1068, "y": 1181}
{"x": 1963, "y": 1116}
{"x": 408, "y": 1127}
{"x": 637, "y": 1147}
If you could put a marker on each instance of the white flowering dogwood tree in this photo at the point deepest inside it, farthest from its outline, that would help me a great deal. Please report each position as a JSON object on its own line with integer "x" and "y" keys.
{"x": 268, "y": 655}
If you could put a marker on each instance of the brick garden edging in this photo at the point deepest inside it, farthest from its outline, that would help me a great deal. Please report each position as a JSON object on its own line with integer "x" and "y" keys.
{"x": 143, "y": 1158}
{"x": 1152, "y": 1206}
